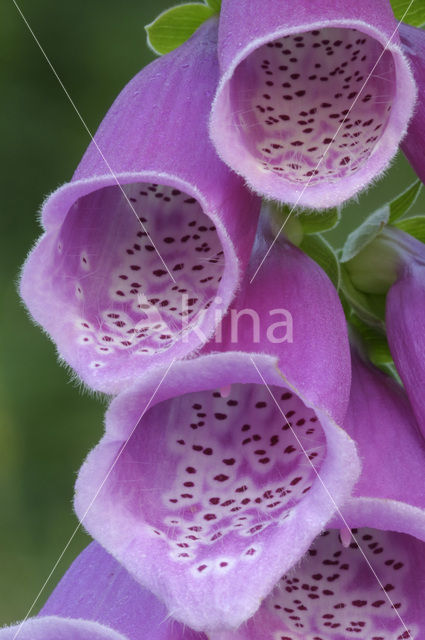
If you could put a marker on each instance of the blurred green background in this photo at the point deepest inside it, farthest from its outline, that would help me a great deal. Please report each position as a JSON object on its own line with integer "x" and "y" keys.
{"x": 46, "y": 425}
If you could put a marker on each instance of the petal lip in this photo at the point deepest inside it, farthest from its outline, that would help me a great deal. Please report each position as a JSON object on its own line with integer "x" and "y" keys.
{"x": 315, "y": 196}
{"x": 97, "y": 588}
{"x": 384, "y": 514}
{"x": 140, "y": 143}
{"x": 54, "y": 212}
{"x": 231, "y": 600}
{"x": 52, "y": 627}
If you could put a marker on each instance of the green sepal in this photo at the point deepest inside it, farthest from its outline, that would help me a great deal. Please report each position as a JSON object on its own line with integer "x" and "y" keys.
{"x": 410, "y": 12}
{"x": 401, "y": 205}
{"x": 375, "y": 345}
{"x": 215, "y": 5}
{"x": 374, "y": 340}
{"x": 300, "y": 222}
{"x": 413, "y": 226}
{"x": 319, "y": 221}
{"x": 365, "y": 233}
{"x": 174, "y": 26}
{"x": 391, "y": 370}
{"x": 373, "y": 225}
{"x": 321, "y": 251}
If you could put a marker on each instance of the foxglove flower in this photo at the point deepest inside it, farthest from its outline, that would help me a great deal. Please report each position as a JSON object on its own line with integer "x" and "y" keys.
{"x": 98, "y": 600}
{"x": 144, "y": 248}
{"x": 205, "y": 484}
{"x": 413, "y": 41}
{"x": 394, "y": 264}
{"x": 313, "y": 99}
{"x": 366, "y": 582}
{"x": 405, "y": 319}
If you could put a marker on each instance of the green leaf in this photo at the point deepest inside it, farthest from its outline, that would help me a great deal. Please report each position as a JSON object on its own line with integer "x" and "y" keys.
{"x": 414, "y": 15}
{"x": 316, "y": 221}
{"x": 363, "y": 235}
{"x": 413, "y": 226}
{"x": 321, "y": 251}
{"x": 401, "y": 205}
{"x": 174, "y": 26}
{"x": 215, "y": 5}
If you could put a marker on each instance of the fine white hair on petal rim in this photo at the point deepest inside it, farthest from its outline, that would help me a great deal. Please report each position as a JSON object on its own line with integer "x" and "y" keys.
{"x": 290, "y": 105}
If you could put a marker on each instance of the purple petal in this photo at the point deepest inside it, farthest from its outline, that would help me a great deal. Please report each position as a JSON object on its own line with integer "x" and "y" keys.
{"x": 289, "y": 281}
{"x": 413, "y": 41}
{"x": 211, "y": 491}
{"x": 390, "y": 493}
{"x": 334, "y": 594}
{"x": 55, "y": 628}
{"x": 120, "y": 289}
{"x": 98, "y": 600}
{"x": 310, "y": 95}
{"x": 405, "y": 323}
{"x": 206, "y": 483}
{"x": 97, "y": 588}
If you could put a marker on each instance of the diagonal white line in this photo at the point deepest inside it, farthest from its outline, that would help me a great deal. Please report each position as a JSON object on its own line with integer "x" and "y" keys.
{"x": 332, "y": 141}
{"x": 332, "y": 499}
{"x": 111, "y": 171}
{"x": 99, "y": 489}
{"x": 172, "y": 362}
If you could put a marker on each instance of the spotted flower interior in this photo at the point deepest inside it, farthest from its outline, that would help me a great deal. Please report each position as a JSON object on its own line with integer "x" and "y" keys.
{"x": 209, "y": 473}
{"x": 334, "y": 594}
{"x": 138, "y": 272}
{"x": 312, "y": 107}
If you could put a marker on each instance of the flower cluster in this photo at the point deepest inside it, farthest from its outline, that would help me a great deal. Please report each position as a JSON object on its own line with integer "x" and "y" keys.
{"x": 258, "y": 478}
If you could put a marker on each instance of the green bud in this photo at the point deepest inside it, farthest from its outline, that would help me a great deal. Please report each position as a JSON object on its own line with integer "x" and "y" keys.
{"x": 377, "y": 266}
